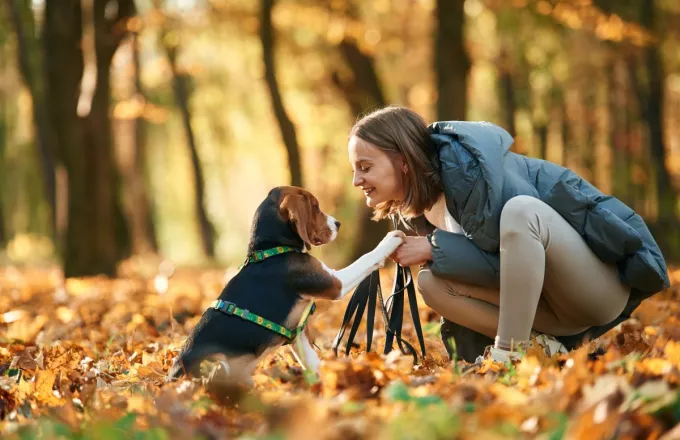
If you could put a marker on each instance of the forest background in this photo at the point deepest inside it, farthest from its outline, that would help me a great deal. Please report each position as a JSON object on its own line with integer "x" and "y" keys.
{"x": 138, "y": 137}
{"x": 155, "y": 128}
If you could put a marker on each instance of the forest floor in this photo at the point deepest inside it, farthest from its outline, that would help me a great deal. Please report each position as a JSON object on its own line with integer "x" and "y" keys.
{"x": 86, "y": 359}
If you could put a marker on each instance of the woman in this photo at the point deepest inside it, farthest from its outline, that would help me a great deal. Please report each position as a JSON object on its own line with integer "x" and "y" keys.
{"x": 511, "y": 246}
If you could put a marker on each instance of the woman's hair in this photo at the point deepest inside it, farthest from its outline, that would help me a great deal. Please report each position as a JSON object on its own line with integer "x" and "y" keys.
{"x": 399, "y": 130}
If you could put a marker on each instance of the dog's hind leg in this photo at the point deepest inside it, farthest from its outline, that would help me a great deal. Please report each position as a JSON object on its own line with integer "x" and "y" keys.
{"x": 305, "y": 353}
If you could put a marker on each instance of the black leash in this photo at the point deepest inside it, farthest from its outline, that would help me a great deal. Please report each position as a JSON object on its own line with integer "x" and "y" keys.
{"x": 368, "y": 292}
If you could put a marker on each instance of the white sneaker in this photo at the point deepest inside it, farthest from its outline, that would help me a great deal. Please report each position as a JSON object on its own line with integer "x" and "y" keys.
{"x": 550, "y": 345}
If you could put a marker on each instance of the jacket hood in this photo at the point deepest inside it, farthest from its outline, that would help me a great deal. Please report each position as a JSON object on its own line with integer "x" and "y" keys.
{"x": 473, "y": 174}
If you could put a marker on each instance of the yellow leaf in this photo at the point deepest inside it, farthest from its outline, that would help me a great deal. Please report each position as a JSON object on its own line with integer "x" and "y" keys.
{"x": 672, "y": 351}
{"x": 656, "y": 367}
{"x": 509, "y": 395}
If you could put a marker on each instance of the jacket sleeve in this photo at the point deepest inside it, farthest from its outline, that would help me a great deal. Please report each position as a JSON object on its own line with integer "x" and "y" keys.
{"x": 456, "y": 257}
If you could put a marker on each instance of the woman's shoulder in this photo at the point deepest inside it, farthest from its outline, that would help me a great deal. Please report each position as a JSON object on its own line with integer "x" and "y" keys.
{"x": 481, "y": 139}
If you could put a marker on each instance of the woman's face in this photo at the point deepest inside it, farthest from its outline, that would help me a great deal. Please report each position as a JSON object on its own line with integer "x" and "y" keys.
{"x": 375, "y": 172}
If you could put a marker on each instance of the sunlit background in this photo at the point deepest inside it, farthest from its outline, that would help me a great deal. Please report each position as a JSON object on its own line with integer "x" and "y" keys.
{"x": 582, "y": 83}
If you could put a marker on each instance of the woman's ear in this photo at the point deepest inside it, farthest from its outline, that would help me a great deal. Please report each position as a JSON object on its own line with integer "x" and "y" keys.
{"x": 403, "y": 167}
{"x": 400, "y": 163}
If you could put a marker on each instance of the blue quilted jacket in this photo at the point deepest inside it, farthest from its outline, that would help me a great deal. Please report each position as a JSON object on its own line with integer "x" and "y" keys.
{"x": 480, "y": 175}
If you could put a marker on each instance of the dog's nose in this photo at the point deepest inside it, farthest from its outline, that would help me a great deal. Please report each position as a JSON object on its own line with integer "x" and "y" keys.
{"x": 337, "y": 225}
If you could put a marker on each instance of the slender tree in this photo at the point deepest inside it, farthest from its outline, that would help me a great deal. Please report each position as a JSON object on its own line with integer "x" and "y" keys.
{"x": 362, "y": 92}
{"x": 3, "y": 142}
{"x": 3, "y": 137}
{"x": 507, "y": 88}
{"x": 285, "y": 124}
{"x": 182, "y": 92}
{"x": 652, "y": 105}
{"x": 452, "y": 62}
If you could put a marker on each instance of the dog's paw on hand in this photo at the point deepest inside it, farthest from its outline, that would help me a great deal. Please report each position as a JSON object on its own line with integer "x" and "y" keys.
{"x": 392, "y": 241}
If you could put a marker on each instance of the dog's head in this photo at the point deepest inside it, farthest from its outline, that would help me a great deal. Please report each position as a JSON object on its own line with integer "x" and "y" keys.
{"x": 301, "y": 210}
{"x": 292, "y": 216}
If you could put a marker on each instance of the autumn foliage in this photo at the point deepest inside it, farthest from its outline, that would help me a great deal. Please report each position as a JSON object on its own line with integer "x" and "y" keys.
{"x": 86, "y": 358}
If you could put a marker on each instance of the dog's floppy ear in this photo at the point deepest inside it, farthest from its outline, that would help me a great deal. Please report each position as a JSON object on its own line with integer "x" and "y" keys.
{"x": 298, "y": 210}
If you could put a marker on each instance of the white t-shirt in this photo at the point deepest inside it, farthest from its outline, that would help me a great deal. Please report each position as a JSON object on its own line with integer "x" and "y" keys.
{"x": 440, "y": 217}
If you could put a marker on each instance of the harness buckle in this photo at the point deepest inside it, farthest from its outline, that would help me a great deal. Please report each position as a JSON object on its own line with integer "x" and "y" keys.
{"x": 224, "y": 306}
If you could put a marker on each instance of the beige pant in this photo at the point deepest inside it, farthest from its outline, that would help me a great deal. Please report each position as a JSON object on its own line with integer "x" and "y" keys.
{"x": 550, "y": 281}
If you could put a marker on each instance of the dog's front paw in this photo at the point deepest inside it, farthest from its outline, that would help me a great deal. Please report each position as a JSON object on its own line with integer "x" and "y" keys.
{"x": 391, "y": 242}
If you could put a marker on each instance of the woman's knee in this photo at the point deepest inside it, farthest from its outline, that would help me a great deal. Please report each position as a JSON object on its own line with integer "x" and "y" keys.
{"x": 427, "y": 286}
{"x": 519, "y": 214}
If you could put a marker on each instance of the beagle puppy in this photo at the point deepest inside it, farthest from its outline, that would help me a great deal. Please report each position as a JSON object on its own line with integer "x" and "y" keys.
{"x": 274, "y": 291}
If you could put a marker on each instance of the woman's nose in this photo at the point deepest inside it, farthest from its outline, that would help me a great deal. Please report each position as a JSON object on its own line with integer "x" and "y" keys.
{"x": 357, "y": 180}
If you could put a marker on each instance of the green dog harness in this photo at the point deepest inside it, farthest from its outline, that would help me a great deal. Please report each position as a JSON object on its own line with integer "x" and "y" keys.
{"x": 229, "y": 308}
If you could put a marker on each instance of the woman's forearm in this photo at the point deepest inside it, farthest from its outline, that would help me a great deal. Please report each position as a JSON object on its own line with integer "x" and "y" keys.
{"x": 455, "y": 257}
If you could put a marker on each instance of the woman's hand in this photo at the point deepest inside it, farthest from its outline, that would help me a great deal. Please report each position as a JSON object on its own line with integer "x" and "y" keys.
{"x": 414, "y": 251}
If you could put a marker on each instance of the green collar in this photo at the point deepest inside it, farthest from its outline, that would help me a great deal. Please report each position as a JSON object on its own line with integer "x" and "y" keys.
{"x": 262, "y": 255}
{"x": 229, "y": 308}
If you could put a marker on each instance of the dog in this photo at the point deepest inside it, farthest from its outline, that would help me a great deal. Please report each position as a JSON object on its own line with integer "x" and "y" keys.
{"x": 275, "y": 289}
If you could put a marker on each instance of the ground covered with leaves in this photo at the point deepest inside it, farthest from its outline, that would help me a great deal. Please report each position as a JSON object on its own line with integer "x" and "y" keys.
{"x": 87, "y": 358}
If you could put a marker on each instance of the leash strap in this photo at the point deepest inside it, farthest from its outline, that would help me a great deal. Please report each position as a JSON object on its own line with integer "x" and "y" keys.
{"x": 369, "y": 292}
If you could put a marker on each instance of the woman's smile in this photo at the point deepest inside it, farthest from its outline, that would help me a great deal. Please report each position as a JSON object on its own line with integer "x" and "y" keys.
{"x": 375, "y": 172}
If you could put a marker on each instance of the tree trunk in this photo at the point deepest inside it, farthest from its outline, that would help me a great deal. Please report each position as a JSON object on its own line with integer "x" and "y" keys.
{"x": 133, "y": 148}
{"x": 588, "y": 148}
{"x": 565, "y": 132}
{"x": 365, "y": 92}
{"x": 31, "y": 67}
{"x": 108, "y": 36}
{"x": 362, "y": 94}
{"x": 618, "y": 138}
{"x": 652, "y": 105}
{"x": 180, "y": 86}
{"x": 451, "y": 60}
{"x": 62, "y": 33}
{"x": 3, "y": 142}
{"x": 542, "y": 136}
{"x": 509, "y": 103}
{"x": 96, "y": 237}
{"x": 285, "y": 124}
{"x": 143, "y": 204}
